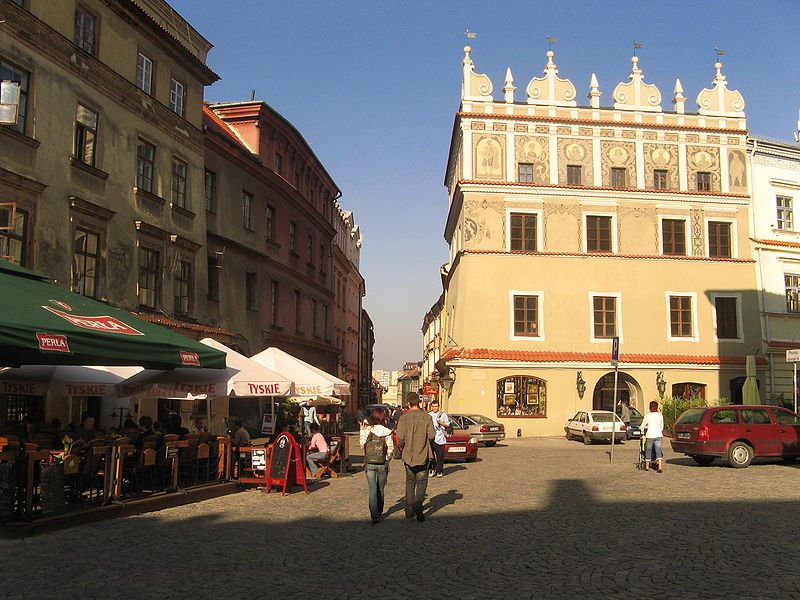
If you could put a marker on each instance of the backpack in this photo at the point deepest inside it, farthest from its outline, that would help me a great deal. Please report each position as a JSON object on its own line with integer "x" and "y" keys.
{"x": 375, "y": 450}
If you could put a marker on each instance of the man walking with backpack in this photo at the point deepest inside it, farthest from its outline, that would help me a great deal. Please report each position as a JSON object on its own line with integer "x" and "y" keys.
{"x": 375, "y": 438}
{"x": 415, "y": 433}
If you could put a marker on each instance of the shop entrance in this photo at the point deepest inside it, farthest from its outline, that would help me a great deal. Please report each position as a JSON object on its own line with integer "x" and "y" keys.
{"x": 627, "y": 389}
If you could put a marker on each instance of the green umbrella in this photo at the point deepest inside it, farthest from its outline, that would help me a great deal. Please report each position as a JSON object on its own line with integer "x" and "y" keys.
{"x": 42, "y": 324}
{"x": 750, "y": 387}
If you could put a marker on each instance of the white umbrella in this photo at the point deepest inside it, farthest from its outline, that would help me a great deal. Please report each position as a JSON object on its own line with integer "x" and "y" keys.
{"x": 316, "y": 401}
{"x": 241, "y": 377}
{"x": 308, "y": 381}
{"x": 63, "y": 380}
{"x": 340, "y": 386}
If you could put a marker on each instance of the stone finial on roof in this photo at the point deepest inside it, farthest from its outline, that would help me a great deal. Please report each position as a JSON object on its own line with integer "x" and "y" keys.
{"x": 509, "y": 88}
{"x": 594, "y": 92}
{"x": 475, "y": 87}
{"x": 636, "y": 94}
{"x": 679, "y": 100}
{"x": 551, "y": 90}
{"x": 720, "y": 101}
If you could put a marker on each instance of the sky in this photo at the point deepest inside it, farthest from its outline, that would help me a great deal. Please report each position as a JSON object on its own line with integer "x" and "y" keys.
{"x": 374, "y": 85}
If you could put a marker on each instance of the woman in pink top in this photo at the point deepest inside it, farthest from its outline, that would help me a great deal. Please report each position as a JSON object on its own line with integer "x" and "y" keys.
{"x": 318, "y": 449}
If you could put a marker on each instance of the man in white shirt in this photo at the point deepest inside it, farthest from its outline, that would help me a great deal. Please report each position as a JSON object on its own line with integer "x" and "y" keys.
{"x": 653, "y": 429}
{"x": 440, "y": 423}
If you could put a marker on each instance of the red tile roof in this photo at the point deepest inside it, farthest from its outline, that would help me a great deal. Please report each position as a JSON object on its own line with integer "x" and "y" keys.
{"x": 599, "y": 357}
{"x": 780, "y": 243}
{"x": 168, "y": 322}
{"x": 222, "y": 126}
{"x": 565, "y": 186}
{"x": 614, "y": 255}
{"x": 782, "y": 344}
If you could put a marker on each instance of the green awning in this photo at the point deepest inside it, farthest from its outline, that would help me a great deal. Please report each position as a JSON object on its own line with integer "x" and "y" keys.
{"x": 42, "y": 324}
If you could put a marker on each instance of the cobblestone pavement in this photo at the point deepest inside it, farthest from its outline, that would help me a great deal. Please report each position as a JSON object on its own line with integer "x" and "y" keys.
{"x": 541, "y": 518}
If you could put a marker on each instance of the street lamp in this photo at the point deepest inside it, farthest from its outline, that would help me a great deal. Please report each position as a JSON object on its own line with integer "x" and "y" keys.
{"x": 448, "y": 379}
{"x": 9, "y": 102}
{"x": 580, "y": 385}
{"x": 661, "y": 384}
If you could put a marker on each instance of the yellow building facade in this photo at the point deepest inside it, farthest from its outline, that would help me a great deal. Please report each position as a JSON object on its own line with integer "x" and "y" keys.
{"x": 570, "y": 225}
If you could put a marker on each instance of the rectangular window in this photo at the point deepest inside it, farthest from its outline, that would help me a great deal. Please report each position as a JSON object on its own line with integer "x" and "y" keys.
{"x": 11, "y": 72}
{"x": 785, "y": 216}
{"x": 13, "y": 235}
{"x": 297, "y": 316}
{"x": 250, "y": 291}
{"x": 322, "y": 258}
{"x": 211, "y": 191}
{"x": 660, "y": 179}
{"x": 273, "y": 307}
{"x": 526, "y": 316}
{"x": 85, "y": 262}
{"x": 703, "y": 181}
{"x": 719, "y": 239}
{"x": 144, "y": 73}
{"x": 213, "y": 278}
{"x": 247, "y": 210}
{"x": 673, "y": 237}
{"x": 574, "y": 174}
{"x": 177, "y": 97}
{"x": 680, "y": 316}
{"x": 314, "y": 317}
{"x": 619, "y": 177}
{"x": 278, "y": 163}
{"x": 183, "y": 287}
{"x": 727, "y": 321}
{"x": 85, "y": 30}
{"x": 523, "y": 232}
{"x": 792, "y": 292}
{"x": 292, "y": 237}
{"x": 525, "y": 173}
{"x": 270, "y": 222}
{"x": 149, "y": 277}
{"x": 310, "y": 248}
{"x": 85, "y": 135}
{"x": 179, "y": 169}
{"x": 145, "y": 161}
{"x": 605, "y": 316}
{"x": 598, "y": 233}
{"x": 325, "y": 321}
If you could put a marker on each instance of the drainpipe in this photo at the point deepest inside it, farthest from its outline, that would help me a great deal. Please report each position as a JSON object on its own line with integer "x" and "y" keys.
{"x": 765, "y": 318}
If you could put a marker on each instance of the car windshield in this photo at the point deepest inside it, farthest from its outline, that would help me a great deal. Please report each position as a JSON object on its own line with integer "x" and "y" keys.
{"x": 602, "y": 417}
{"x": 636, "y": 413}
{"x": 784, "y": 417}
{"x": 481, "y": 420}
{"x": 691, "y": 416}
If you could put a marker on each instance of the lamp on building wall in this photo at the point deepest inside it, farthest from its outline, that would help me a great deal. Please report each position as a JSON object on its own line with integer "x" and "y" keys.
{"x": 9, "y": 102}
{"x": 580, "y": 385}
{"x": 448, "y": 379}
{"x": 661, "y": 384}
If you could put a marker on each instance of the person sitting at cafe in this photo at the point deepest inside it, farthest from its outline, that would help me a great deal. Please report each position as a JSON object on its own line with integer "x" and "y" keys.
{"x": 318, "y": 449}
{"x": 129, "y": 423}
{"x": 199, "y": 426}
{"x": 239, "y": 435}
{"x": 175, "y": 425}
{"x": 145, "y": 430}
{"x": 86, "y": 430}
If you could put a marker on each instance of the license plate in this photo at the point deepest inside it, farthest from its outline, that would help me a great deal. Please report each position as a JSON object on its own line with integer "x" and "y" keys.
{"x": 494, "y": 429}
{"x": 684, "y": 436}
{"x": 457, "y": 449}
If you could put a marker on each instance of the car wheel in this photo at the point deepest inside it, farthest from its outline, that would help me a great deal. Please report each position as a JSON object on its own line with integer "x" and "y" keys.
{"x": 789, "y": 459}
{"x": 703, "y": 461}
{"x": 473, "y": 459}
{"x": 586, "y": 439}
{"x": 490, "y": 444}
{"x": 567, "y": 434}
{"x": 740, "y": 455}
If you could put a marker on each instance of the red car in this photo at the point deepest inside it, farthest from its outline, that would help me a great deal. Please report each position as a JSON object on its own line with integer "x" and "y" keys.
{"x": 461, "y": 445}
{"x": 737, "y": 433}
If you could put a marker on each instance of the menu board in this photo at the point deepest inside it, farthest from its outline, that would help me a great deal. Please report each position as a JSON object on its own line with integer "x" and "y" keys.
{"x": 52, "y": 484}
{"x": 281, "y": 454}
{"x": 7, "y": 491}
{"x": 259, "y": 460}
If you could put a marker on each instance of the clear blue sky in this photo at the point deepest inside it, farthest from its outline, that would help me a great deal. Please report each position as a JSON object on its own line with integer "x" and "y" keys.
{"x": 373, "y": 86}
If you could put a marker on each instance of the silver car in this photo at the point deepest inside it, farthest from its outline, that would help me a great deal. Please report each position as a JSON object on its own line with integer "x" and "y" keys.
{"x": 483, "y": 429}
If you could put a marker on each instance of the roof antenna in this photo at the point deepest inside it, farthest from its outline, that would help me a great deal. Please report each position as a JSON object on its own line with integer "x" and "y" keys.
{"x": 252, "y": 95}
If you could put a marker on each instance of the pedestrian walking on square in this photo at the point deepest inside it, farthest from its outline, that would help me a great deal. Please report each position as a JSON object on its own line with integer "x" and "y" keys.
{"x": 375, "y": 438}
{"x": 653, "y": 429}
{"x": 415, "y": 433}
{"x": 440, "y": 422}
{"x": 625, "y": 416}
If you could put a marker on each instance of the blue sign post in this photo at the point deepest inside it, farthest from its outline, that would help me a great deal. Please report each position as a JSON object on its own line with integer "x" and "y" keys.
{"x": 615, "y": 362}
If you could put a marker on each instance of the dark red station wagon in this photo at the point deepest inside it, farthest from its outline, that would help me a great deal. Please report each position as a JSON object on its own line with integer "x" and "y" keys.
{"x": 738, "y": 433}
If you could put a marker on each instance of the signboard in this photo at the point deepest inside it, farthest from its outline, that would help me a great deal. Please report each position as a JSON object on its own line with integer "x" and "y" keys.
{"x": 7, "y": 491}
{"x": 430, "y": 389}
{"x": 268, "y": 424}
{"x": 615, "y": 350}
{"x": 286, "y": 464}
{"x": 793, "y": 356}
{"x": 259, "y": 460}
{"x": 52, "y": 485}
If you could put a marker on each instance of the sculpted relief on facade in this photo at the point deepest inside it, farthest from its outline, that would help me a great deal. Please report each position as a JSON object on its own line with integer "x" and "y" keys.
{"x": 534, "y": 150}
{"x": 483, "y": 224}
{"x": 737, "y": 172}
{"x": 572, "y": 151}
{"x": 489, "y": 157}
{"x": 703, "y": 159}
{"x": 618, "y": 155}
{"x": 663, "y": 157}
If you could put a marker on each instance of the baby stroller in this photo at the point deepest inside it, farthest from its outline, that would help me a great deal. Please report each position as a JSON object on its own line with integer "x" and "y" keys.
{"x": 643, "y": 458}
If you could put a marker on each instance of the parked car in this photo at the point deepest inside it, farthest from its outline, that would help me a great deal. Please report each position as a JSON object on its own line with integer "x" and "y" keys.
{"x": 595, "y": 425}
{"x": 460, "y": 445}
{"x": 737, "y": 433}
{"x": 483, "y": 429}
{"x": 634, "y": 429}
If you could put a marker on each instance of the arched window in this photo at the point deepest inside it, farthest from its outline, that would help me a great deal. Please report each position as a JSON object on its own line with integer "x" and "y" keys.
{"x": 689, "y": 391}
{"x": 521, "y": 396}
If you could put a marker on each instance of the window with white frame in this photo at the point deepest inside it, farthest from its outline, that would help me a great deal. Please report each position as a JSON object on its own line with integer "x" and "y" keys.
{"x": 177, "y": 97}
{"x": 523, "y": 232}
{"x": 598, "y": 233}
{"x": 673, "y": 237}
{"x": 681, "y": 315}
{"x": 144, "y": 73}
{"x": 247, "y": 210}
{"x": 11, "y": 72}
{"x": 720, "y": 239}
{"x": 785, "y": 215}
{"x": 604, "y": 316}
{"x": 85, "y": 135}
{"x": 526, "y": 315}
{"x": 792, "y": 283}
{"x": 179, "y": 170}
